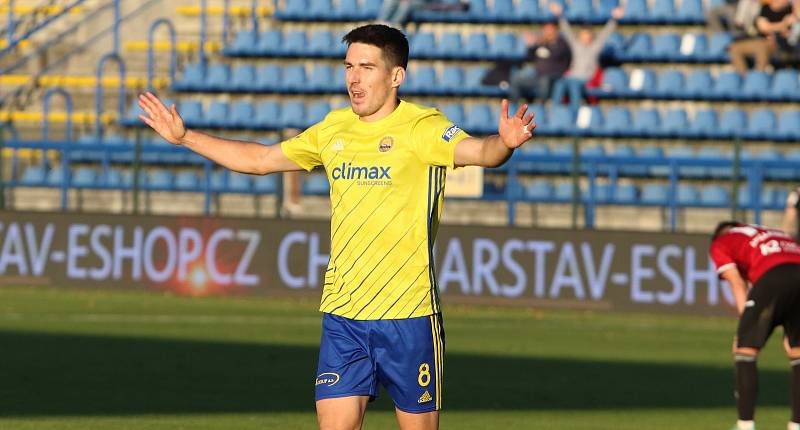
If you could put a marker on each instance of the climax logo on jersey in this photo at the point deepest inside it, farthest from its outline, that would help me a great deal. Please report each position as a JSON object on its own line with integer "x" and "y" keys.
{"x": 328, "y": 378}
{"x": 450, "y": 132}
{"x": 386, "y": 144}
{"x": 349, "y": 171}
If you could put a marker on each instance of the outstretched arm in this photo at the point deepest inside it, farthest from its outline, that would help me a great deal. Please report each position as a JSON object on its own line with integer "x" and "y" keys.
{"x": 245, "y": 157}
{"x": 495, "y": 150}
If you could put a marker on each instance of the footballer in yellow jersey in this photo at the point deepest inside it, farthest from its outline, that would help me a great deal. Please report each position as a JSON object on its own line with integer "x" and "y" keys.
{"x": 386, "y": 160}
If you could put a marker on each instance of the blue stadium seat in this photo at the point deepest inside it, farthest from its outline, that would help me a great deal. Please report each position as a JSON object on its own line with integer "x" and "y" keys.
{"x": 159, "y": 180}
{"x": 788, "y": 126}
{"x": 670, "y": 85}
{"x": 614, "y": 84}
{"x": 687, "y": 195}
{"x": 655, "y": 195}
{"x": 270, "y": 43}
{"x": 666, "y": 47}
{"x": 718, "y": 48}
{"x": 732, "y": 123}
{"x": 535, "y": 151}
{"x": 623, "y": 151}
{"x": 704, "y": 125}
{"x": 453, "y": 81}
{"x": 295, "y": 44}
{"x": 675, "y": 124}
{"x": 625, "y": 194}
{"x": 715, "y": 153}
{"x": 691, "y": 12}
{"x": 693, "y": 46}
{"x": 192, "y": 113}
{"x": 424, "y": 80}
{"x": 636, "y": 12}
{"x": 478, "y": 11}
{"x": 322, "y": 80}
{"x": 56, "y": 177}
{"x": 506, "y": 46}
{"x": 243, "y": 44}
{"x": 295, "y": 79}
{"x": 454, "y": 112}
{"x": 685, "y": 152}
{"x": 84, "y": 177}
{"x": 450, "y": 46}
{"x": 762, "y": 125}
{"x": 347, "y": 10}
{"x": 217, "y": 115}
{"x": 640, "y": 48}
{"x": 785, "y": 86}
{"x": 422, "y": 45}
{"x": 293, "y": 115}
{"x": 540, "y": 190}
{"x": 243, "y": 78}
{"x": 242, "y": 114}
{"x": 316, "y": 184}
{"x": 755, "y": 86}
{"x": 218, "y": 78}
{"x": 187, "y": 181}
{"x": 715, "y": 196}
{"x": 33, "y": 175}
{"x": 565, "y": 192}
{"x": 239, "y": 183}
{"x": 317, "y": 111}
{"x": 321, "y": 44}
{"x": 727, "y": 86}
{"x": 480, "y": 119}
{"x": 641, "y": 83}
{"x": 269, "y": 78}
{"x": 502, "y": 11}
{"x": 562, "y": 121}
{"x": 528, "y": 11}
{"x": 370, "y": 9}
{"x": 646, "y": 123}
{"x": 268, "y": 115}
{"x": 699, "y": 85}
{"x": 618, "y": 122}
{"x": 581, "y": 11}
{"x": 588, "y": 120}
{"x": 320, "y": 10}
{"x": 476, "y": 47}
{"x": 192, "y": 79}
{"x": 663, "y": 12}
{"x": 267, "y": 184}
{"x": 293, "y": 10}
{"x": 473, "y": 83}
{"x": 614, "y": 48}
{"x": 653, "y": 152}
{"x": 604, "y": 9}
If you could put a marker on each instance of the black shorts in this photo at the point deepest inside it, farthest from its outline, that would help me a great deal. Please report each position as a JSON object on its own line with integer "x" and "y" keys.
{"x": 774, "y": 300}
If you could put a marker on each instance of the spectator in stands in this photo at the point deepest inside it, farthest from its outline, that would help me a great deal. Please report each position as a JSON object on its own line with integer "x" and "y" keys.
{"x": 737, "y": 17}
{"x": 550, "y": 55}
{"x": 586, "y": 49}
{"x": 773, "y": 23}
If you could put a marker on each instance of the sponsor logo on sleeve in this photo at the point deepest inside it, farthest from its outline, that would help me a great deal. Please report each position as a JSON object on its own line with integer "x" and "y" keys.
{"x": 328, "y": 379}
{"x": 450, "y": 132}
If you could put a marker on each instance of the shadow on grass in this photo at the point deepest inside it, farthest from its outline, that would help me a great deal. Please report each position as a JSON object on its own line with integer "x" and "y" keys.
{"x": 42, "y": 374}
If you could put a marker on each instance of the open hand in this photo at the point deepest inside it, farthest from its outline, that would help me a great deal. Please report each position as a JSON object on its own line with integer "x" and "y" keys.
{"x": 556, "y": 9}
{"x": 166, "y": 122}
{"x": 618, "y": 12}
{"x": 517, "y": 129}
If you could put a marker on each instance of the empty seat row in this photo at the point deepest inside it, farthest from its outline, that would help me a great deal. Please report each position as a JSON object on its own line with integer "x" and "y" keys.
{"x": 591, "y": 121}
{"x": 151, "y": 180}
{"x": 653, "y": 161}
{"x": 503, "y": 11}
{"x": 323, "y": 78}
{"x": 502, "y": 45}
{"x": 658, "y": 194}
{"x": 246, "y": 115}
{"x": 783, "y": 85}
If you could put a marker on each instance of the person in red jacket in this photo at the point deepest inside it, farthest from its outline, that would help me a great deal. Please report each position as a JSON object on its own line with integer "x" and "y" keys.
{"x": 769, "y": 261}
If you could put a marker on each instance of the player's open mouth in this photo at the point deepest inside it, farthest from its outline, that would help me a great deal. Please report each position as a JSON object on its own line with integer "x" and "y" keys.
{"x": 357, "y": 95}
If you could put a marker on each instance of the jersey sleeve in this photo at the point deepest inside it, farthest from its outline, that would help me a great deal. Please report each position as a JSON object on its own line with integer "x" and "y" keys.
{"x": 434, "y": 139}
{"x": 303, "y": 149}
{"x": 721, "y": 257}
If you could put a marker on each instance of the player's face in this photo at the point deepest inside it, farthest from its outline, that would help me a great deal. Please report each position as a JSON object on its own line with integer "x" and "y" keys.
{"x": 371, "y": 83}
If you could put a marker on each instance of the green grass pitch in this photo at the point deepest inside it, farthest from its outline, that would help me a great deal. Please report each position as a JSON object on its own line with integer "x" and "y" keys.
{"x": 107, "y": 360}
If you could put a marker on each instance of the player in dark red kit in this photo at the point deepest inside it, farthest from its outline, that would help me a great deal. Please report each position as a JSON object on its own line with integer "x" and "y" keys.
{"x": 769, "y": 260}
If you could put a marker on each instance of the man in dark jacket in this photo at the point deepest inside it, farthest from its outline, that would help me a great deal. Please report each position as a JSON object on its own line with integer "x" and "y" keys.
{"x": 551, "y": 57}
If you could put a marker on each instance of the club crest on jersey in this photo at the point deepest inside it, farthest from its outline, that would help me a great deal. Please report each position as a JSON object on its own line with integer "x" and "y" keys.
{"x": 386, "y": 144}
{"x": 450, "y": 132}
{"x": 328, "y": 378}
{"x": 338, "y": 145}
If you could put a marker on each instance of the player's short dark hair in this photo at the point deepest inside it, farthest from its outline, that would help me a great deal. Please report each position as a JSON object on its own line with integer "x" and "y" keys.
{"x": 724, "y": 225}
{"x": 391, "y": 41}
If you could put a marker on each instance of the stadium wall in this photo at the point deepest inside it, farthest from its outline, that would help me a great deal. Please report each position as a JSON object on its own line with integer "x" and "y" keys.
{"x": 579, "y": 269}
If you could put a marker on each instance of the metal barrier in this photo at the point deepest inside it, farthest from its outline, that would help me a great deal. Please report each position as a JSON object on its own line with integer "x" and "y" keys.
{"x": 65, "y": 154}
{"x": 151, "y": 50}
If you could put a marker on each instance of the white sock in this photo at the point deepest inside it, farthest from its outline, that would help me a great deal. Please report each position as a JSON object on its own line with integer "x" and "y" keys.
{"x": 746, "y": 425}
{"x": 793, "y": 426}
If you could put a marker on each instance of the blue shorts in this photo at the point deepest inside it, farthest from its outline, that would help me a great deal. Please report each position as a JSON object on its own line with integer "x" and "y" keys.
{"x": 404, "y": 355}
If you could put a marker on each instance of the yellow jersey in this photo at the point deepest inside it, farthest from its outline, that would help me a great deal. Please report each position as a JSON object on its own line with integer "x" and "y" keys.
{"x": 387, "y": 190}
